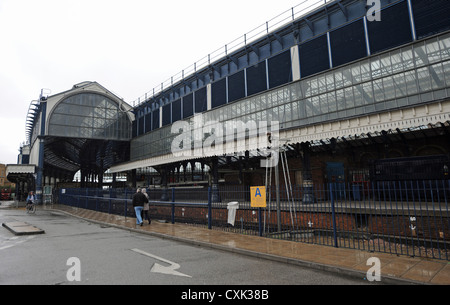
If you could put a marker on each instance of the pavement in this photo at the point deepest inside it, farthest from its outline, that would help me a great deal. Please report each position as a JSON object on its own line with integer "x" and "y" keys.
{"x": 395, "y": 269}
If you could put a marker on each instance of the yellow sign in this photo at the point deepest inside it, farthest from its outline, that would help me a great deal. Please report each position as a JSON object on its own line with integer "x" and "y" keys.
{"x": 258, "y": 196}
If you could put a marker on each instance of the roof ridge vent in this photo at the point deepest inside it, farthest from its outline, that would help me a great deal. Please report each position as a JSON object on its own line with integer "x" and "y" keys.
{"x": 82, "y": 84}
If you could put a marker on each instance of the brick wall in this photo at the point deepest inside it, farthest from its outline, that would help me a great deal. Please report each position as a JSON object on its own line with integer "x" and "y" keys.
{"x": 425, "y": 227}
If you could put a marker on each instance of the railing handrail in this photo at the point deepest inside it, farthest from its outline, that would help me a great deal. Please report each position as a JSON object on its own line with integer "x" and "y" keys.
{"x": 130, "y": 200}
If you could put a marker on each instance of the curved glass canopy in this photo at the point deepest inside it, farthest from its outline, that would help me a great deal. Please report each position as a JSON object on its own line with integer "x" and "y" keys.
{"x": 91, "y": 116}
{"x": 88, "y": 131}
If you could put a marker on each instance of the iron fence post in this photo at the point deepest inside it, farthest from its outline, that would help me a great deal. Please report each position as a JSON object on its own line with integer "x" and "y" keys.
{"x": 260, "y": 222}
{"x": 209, "y": 208}
{"x": 97, "y": 195}
{"x": 173, "y": 205}
{"x": 110, "y": 196}
{"x": 87, "y": 199}
{"x": 333, "y": 216}
{"x": 126, "y": 203}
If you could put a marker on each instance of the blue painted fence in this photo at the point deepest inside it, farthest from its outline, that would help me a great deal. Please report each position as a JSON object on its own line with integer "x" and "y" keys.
{"x": 402, "y": 217}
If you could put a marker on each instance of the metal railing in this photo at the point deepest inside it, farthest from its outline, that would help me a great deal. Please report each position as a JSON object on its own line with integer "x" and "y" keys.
{"x": 119, "y": 202}
{"x": 405, "y": 218}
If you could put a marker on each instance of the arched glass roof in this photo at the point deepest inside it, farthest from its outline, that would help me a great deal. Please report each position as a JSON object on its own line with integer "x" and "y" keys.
{"x": 87, "y": 130}
{"x": 89, "y": 116}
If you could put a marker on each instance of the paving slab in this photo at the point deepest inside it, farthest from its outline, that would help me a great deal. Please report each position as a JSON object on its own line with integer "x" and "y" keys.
{"x": 22, "y": 228}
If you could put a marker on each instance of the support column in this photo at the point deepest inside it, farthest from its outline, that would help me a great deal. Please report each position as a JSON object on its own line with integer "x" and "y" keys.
{"x": 82, "y": 178}
{"x": 40, "y": 167}
{"x": 133, "y": 178}
{"x": 40, "y": 171}
{"x": 100, "y": 174}
{"x": 164, "y": 176}
{"x": 215, "y": 197}
{"x": 114, "y": 178}
{"x": 308, "y": 194}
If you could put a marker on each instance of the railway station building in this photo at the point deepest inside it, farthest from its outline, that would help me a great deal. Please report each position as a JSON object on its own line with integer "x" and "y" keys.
{"x": 344, "y": 96}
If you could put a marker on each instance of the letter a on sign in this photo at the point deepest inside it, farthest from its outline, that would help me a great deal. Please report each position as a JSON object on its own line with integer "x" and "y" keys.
{"x": 258, "y": 196}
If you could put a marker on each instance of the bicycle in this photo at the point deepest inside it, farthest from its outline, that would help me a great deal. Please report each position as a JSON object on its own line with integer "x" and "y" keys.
{"x": 31, "y": 207}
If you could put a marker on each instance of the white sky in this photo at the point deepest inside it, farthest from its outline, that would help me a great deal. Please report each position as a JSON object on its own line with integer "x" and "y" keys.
{"x": 128, "y": 46}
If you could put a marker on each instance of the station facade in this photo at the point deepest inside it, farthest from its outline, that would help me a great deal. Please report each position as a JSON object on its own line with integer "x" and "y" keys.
{"x": 347, "y": 98}
{"x": 86, "y": 129}
{"x": 344, "y": 91}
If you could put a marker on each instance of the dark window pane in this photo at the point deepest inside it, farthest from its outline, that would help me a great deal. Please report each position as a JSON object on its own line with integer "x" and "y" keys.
{"x": 348, "y": 43}
{"x": 176, "y": 110}
{"x": 256, "y": 78}
{"x": 219, "y": 93}
{"x": 314, "y": 56}
{"x": 200, "y": 100}
{"x": 393, "y": 30}
{"x": 236, "y": 86}
{"x": 155, "y": 119}
{"x": 148, "y": 122}
{"x": 166, "y": 115}
{"x": 188, "y": 105}
{"x": 280, "y": 69}
{"x": 141, "y": 125}
{"x": 431, "y": 17}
